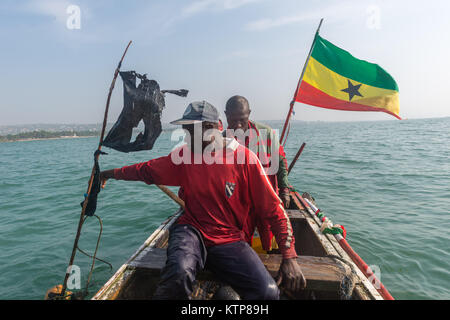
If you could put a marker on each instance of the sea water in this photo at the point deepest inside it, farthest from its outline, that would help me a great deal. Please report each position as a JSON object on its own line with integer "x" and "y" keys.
{"x": 387, "y": 182}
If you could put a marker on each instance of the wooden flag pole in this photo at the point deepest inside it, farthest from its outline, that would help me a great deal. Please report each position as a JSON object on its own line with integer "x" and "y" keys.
{"x": 291, "y": 108}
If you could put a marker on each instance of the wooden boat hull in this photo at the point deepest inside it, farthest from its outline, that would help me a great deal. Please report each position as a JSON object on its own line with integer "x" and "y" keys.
{"x": 329, "y": 271}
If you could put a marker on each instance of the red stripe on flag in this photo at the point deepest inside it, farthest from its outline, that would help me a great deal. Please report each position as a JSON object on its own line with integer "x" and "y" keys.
{"x": 313, "y": 96}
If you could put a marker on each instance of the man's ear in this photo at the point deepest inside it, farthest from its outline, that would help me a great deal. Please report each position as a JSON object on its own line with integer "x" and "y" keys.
{"x": 249, "y": 111}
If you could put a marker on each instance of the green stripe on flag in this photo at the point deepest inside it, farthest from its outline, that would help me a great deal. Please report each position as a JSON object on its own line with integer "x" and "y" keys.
{"x": 343, "y": 63}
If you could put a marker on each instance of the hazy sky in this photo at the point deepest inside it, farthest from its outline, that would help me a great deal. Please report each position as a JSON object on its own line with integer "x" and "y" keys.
{"x": 54, "y": 72}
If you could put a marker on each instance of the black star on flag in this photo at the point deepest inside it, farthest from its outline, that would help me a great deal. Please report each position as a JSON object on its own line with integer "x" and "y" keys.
{"x": 352, "y": 90}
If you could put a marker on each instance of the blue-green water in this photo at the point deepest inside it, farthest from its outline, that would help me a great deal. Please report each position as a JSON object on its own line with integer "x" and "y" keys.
{"x": 387, "y": 182}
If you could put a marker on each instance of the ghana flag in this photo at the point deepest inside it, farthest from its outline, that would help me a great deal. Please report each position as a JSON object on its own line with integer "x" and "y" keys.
{"x": 334, "y": 79}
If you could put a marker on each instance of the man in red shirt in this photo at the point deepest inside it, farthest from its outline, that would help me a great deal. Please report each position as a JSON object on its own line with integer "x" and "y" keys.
{"x": 222, "y": 181}
{"x": 262, "y": 140}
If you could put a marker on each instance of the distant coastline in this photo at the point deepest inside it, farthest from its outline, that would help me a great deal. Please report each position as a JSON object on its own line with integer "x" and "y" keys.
{"x": 41, "y": 139}
{"x": 47, "y": 135}
{"x": 37, "y": 135}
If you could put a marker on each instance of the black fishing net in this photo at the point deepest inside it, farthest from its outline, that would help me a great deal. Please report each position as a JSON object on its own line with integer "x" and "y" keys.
{"x": 91, "y": 206}
{"x": 144, "y": 102}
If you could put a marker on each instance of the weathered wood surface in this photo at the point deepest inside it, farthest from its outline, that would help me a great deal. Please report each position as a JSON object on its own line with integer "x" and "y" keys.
{"x": 321, "y": 273}
{"x": 297, "y": 214}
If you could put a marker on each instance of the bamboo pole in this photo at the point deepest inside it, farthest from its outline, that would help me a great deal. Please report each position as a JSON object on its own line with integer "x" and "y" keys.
{"x": 83, "y": 210}
{"x": 172, "y": 195}
{"x": 299, "y": 152}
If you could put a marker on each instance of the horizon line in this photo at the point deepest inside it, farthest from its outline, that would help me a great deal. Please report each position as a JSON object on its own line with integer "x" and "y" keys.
{"x": 262, "y": 120}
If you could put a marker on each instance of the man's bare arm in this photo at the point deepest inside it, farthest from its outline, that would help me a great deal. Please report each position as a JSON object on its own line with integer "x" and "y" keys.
{"x": 105, "y": 175}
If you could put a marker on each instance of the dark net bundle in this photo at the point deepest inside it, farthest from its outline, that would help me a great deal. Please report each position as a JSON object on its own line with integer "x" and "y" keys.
{"x": 144, "y": 102}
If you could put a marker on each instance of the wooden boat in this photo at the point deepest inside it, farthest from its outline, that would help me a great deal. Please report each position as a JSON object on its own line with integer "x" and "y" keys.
{"x": 329, "y": 271}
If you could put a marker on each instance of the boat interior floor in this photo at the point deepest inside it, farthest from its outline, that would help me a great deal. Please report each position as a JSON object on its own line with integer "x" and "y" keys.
{"x": 327, "y": 277}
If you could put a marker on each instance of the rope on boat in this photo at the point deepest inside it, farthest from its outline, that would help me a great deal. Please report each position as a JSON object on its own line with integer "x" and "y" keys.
{"x": 69, "y": 295}
{"x": 327, "y": 226}
{"x": 94, "y": 256}
{"x": 348, "y": 282}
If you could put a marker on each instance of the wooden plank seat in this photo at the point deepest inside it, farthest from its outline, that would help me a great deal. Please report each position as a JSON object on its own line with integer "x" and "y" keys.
{"x": 321, "y": 273}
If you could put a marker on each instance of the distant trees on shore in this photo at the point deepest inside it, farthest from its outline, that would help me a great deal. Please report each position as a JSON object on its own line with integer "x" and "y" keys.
{"x": 41, "y": 134}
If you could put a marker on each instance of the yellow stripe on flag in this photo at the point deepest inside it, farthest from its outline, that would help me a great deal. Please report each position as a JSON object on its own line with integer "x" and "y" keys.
{"x": 332, "y": 83}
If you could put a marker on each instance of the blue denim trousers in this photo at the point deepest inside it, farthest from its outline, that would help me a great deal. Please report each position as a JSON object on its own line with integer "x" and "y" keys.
{"x": 235, "y": 264}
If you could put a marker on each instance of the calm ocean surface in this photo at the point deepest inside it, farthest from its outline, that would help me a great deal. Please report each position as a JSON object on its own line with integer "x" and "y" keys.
{"x": 387, "y": 182}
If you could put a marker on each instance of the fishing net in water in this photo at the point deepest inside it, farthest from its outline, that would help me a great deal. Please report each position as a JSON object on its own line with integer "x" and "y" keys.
{"x": 143, "y": 102}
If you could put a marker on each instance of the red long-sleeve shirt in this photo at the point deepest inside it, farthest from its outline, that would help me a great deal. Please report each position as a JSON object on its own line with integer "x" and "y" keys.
{"x": 219, "y": 197}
